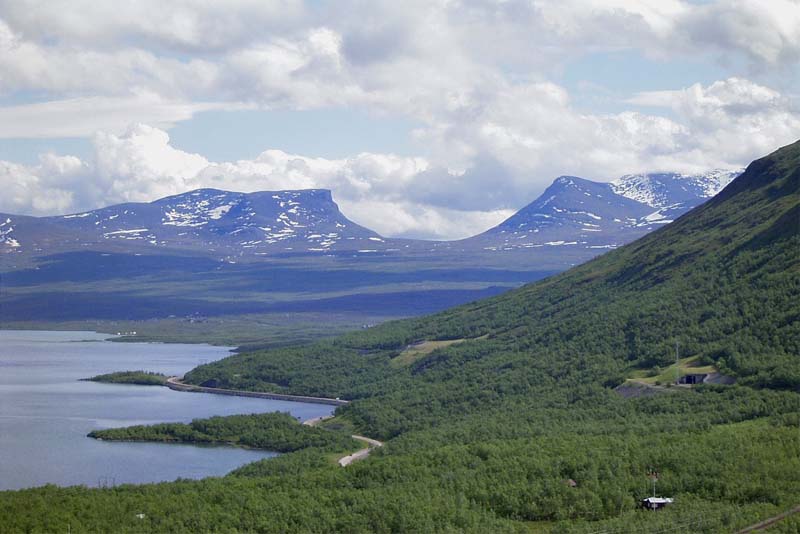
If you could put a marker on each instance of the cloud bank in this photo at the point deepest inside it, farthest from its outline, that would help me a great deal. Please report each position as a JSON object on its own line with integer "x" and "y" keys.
{"x": 476, "y": 76}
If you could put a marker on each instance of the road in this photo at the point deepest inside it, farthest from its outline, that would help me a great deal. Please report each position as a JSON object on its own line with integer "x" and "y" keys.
{"x": 317, "y": 420}
{"x": 372, "y": 444}
{"x": 174, "y": 382}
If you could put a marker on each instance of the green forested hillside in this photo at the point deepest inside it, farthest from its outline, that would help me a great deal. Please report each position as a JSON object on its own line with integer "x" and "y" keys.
{"x": 723, "y": 281}
{"x": 518, "y": 427}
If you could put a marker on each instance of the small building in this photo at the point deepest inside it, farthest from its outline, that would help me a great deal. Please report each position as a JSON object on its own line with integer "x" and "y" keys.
{"x": 692, "y": 379}
{"x": 656, "y": 503}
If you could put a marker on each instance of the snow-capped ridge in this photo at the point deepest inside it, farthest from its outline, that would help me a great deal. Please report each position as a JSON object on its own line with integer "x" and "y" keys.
{"x": 221, "y": 222}
{"x": 659, "y": 190}
{"x": 578, "y": 212}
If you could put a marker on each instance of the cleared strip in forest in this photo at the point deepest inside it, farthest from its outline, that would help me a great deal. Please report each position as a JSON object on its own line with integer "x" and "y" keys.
{"x": 770, "y": 521}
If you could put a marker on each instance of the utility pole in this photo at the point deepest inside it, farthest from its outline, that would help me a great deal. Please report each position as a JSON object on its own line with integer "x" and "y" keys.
{"x": 677, "y": 365}
{"x": 653, "y": 475}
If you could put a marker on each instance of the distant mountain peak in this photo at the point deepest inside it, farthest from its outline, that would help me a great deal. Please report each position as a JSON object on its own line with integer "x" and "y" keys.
{"x": 665, "y": 189}
{"x": 572, "y": 213}
{"x": 576, "y": 212}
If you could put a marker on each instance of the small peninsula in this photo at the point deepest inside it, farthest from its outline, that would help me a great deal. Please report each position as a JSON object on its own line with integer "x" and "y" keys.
{"x": 276, "y": 431}
{"x": 142, "y": 378}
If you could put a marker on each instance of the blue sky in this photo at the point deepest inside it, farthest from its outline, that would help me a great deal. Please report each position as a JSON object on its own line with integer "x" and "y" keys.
{"x": 598, "y": 83}
{"x": 425, "y": 119}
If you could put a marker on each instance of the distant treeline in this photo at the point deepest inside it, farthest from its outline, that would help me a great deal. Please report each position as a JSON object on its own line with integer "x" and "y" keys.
{"x": 143, "y": 378}
{"x": 278, "y": 432}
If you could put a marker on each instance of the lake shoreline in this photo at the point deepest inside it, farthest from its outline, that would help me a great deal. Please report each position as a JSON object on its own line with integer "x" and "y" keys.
{"x": 47, "y": 410}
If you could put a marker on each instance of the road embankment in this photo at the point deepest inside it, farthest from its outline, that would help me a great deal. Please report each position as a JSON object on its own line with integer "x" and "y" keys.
{"x": 175, "y": 383}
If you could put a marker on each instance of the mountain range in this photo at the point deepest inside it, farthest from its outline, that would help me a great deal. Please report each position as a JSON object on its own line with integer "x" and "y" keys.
{"x": 217, "y": 253}
{"x": 571, "y": 212}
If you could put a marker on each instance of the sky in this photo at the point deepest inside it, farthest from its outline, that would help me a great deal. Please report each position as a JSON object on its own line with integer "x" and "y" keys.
{"x": 427, "y": 119}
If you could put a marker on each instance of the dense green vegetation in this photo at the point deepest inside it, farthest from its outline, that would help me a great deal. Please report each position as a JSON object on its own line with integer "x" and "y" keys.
{"x": 278, "y": 432}
{"x": 484, "y": 435}
{"x": 724, "y": 281}
{"x": 142, "y": 378}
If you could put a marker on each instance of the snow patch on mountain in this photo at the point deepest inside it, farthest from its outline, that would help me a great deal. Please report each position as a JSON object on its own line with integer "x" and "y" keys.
{"x": 6, "y": 237}
{"x": 659, "y": 190}
{"x": 133, "y": 234}
{"x": 579, "y": 212}
{"x": 133, "y": 231}
{"x": 198, "y": 208}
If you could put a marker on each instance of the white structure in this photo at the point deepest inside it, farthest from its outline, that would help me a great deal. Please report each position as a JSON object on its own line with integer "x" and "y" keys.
{"x": 654, "y": 503}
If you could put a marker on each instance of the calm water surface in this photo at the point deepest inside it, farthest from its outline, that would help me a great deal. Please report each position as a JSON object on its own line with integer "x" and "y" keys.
{"x": 46, "y": 412}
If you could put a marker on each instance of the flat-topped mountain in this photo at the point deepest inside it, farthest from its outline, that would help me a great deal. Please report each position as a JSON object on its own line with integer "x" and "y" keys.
{"x": 572, "y": 212}
{"x": 207, "y": 220}
{"x": 213, "y": 252}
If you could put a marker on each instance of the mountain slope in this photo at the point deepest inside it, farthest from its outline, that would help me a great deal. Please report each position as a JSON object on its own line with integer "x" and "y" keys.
{"x": 673, "y": 192}
{"x": 572, "y": 211}
{"x": 212, "y": 253}
{"x": 580, "y": 214}
{"x": 514, "y": 426}
{"x": 724, "y": 280}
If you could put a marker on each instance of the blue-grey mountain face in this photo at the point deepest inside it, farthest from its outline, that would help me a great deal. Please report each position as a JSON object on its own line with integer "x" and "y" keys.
{"x": 211, "y": 252}
{"x": 578, "y": 213}
{"x": 573, "y": 220}
{"x": 205, "y": 220}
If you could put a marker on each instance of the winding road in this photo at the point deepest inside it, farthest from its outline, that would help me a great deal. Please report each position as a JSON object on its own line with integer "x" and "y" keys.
{"x": 344, "y": 461}
{"x": 174, "y": 383}
{"x": 372, "y": 444}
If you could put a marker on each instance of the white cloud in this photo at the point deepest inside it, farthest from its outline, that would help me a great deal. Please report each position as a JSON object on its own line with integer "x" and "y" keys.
{"x": 768, "y": 33}
{"x": 182, "y": 24}
{"x": 511, "y": 145}
{"x": 46, "y": 188}
{"x": 729, "y": 122}
{"x": 41, "y": 66}
{"x": 410, "y": 56}
{"x": 83, "y": 117}
{"x": 407, "y": 219}
{"x": 141, "y": 165}
{"x": 476, "y": 76}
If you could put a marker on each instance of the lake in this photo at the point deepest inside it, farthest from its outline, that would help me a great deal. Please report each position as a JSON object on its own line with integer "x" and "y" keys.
{"x": 46, "y": 411}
